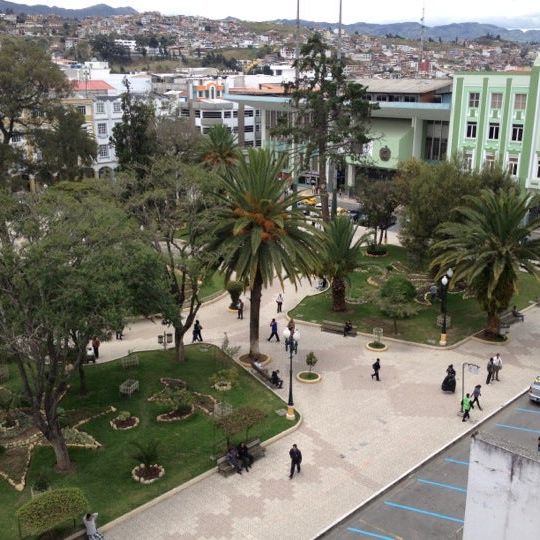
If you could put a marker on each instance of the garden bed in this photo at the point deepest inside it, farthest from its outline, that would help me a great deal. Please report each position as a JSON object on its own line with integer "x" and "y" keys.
{"x": 309, "y": 377}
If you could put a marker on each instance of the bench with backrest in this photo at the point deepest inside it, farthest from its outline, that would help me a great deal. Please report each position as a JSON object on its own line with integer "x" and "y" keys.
{"x": 263, "y": 373}
{"x": 337, "y": 328}
{"x": 254, "y": 448}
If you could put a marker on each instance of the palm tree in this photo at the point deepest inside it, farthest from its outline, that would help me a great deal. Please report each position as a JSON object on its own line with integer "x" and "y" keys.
{"x": 488, "y": 244}
{"x": 260, "y": 233}
{"x": 339, "y": 256}
{"x": 219, "y": 150}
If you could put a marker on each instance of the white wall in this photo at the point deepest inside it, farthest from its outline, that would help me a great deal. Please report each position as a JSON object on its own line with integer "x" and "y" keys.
{"x": 503, "y": 491}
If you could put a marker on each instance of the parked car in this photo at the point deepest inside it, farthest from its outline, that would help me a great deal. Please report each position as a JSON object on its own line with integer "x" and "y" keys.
{"x": 534, "y": 390}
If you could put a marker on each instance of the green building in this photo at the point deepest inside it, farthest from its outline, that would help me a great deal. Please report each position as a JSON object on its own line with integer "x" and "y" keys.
{"x": 496, "y": 118}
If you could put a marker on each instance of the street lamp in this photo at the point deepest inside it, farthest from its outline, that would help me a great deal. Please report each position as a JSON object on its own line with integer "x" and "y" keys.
{"x": 473, "y": 368}
{"x": 291, "y": 345}
{"x": 444, "y": 307}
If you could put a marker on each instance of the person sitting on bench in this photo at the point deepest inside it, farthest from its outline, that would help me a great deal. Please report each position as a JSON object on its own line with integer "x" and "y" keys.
{"x": 517, "y": 314}
{"x": 275, "y": 380}
{"x": 347, "y": 328}
{"x": 232, "y": 459}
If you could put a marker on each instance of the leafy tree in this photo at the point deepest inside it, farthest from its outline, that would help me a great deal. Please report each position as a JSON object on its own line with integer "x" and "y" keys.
{"x": 396, "y": 299}
{"x": 311, "y": 360}
{"x": 219, "y": 151}
{"x": 54, "y": 299}
{"x": 260, "y": 234}
{"x": 488, "y": 244}
{"x": 339, "y": 257}
{"x": 66, "y": 148}
{"x": 241, "y": 419}
{"x": 106, "y": 49}
{"x": 134, "y": 138}
{"x": 173, "y": 202}
{"x": 331, "y": 113}
{"x": 179, "y": 138}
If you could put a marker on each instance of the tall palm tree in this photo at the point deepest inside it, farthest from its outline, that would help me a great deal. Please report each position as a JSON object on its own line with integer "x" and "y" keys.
{"x": 261, "y": 235}
{"x": 339, "y": 256}
{"x": 488, "y": 244}
{"x": 219, "y": 150}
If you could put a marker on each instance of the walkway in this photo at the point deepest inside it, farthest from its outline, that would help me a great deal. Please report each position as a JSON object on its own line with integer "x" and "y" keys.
{"x": 357, "y": 435}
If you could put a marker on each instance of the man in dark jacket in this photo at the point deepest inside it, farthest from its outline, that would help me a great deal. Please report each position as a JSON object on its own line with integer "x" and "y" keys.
{"x": 296, "y": 459}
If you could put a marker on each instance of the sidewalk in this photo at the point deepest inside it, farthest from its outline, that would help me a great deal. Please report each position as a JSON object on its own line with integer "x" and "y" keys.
{"x": 357, "y": 434}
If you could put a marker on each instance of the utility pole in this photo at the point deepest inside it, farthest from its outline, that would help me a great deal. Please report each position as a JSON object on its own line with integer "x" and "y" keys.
{"x": 422, "y": 32}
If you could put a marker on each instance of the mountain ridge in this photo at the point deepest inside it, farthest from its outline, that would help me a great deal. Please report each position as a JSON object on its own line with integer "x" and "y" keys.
{"x": 97, "y": 10}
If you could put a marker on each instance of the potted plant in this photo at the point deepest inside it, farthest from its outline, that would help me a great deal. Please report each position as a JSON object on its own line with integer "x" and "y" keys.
{"x": 235, "y": 289}
{"x": 146, "y": 455}
{"x": 309, "y": 376}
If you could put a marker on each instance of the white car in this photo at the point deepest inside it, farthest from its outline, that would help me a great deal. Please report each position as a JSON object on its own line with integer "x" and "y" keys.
{"x": 534, "y": 390}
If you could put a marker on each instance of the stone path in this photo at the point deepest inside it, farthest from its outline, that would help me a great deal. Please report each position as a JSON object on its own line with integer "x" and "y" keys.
{"x": 357, "y": 435}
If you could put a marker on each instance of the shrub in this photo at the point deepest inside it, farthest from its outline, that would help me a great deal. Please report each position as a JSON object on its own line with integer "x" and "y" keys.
{"x": 51, "y": 509}
{"x": 181, "y": 399}
{"x": 235, "y": 288}
{"x": 123, "y": 416}
{"x": 224, "y": 375}
{"x": 311, "y": 360}
{"x": 146, "y": 454}
{"x": 376, "y": 249}
{"x": 2, "y": 449}
{"x": 398, "y": 288}
{"x": 41, "y": 483}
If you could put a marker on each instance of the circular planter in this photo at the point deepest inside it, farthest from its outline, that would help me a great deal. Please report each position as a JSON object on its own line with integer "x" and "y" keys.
{"x": 4, "y": 428}
{"x": 376, "y": 347}
{"x": 147, "y": 475}
{"x": 308, "y": 377}
{"x": 223, "y": 386}
{"x": 123, "y": 425}
{"x": 264, "y": 359}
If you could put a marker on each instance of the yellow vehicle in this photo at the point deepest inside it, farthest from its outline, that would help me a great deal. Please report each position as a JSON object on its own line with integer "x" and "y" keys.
{"x": 310, "y": 201}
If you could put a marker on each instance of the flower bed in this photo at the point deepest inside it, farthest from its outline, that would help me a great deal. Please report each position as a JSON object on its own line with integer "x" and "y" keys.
{"x": 169, "y": 382}
{"x": 376, "y": 346}
{"x": 174, "y": 416}
{"x": 147, "y": 475}
{"x": 123, "y": 424}
{"x": 205, "y": 402}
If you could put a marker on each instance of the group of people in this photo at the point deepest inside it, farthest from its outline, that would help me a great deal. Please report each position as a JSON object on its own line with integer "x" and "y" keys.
{"x": 240, "y": 458}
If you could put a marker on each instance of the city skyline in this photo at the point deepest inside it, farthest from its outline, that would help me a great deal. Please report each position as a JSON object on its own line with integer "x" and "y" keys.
{"x": 525, "y": 14}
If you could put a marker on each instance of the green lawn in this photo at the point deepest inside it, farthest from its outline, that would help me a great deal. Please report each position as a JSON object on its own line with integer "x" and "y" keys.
{"x": 212, "y": 286}
{"x": 186, "y": 447}
{"x": 466, "y": 315}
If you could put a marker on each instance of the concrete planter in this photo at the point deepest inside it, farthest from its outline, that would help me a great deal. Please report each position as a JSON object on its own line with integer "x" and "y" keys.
{"x": 308, "y": 381}
{"x": 370, "y": 347}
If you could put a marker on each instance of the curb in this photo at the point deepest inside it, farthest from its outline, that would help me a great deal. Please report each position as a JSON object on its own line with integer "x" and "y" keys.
{"x": 418, "y": 465}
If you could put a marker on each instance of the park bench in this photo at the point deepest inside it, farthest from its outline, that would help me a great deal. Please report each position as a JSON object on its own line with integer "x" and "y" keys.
{"x": 263, "y": 373}
{"x": 337, "y": 328}
{"x": 130, "y": 361}
{"x": 128, "y": 387}
{"x": 254, "y": 448}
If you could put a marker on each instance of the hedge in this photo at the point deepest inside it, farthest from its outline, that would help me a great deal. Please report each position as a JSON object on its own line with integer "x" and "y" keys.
{"x": 51, "y": 509}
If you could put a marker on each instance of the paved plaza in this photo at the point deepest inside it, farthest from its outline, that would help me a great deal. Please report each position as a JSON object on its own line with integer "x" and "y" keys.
{"x": 356, "y": 436}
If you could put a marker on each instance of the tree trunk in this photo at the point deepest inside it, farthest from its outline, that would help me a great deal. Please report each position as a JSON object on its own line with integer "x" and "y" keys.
{"x": 55, "y": 437}
{"x": 179, "y": 348}
{"x": 395, "y": 327}
{"x": 338, "y": 295}
{"x": 493, "y": 323}
{"x": 381, "y": 236}
{"x": 254, "y": 314}
{"x": 83, "y": 389}
{"x": 323, "y": 185}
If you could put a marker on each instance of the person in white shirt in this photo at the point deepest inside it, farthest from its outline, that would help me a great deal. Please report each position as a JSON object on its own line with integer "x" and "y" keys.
{"x": 497, "y": 362}
{"x": 91, "y": 529}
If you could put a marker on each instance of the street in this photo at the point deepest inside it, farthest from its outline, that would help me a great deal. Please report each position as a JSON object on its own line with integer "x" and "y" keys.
{"x": 431, "y": 502}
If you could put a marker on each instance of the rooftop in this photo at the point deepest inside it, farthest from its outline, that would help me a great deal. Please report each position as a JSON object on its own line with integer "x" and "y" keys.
{"x": 90, "y": 85}
{"x": 405, "y": 86}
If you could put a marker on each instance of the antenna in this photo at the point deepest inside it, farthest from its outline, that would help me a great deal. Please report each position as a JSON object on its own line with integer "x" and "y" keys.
{"x": 422, "y": 32}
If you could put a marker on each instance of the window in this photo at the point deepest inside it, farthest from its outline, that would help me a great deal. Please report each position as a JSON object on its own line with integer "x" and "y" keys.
{"x": 517, "y": 132}
{"x": 102, "y": 129}
{"x": 248, "y": 113}
{"x": 490, "y": 161}
{"x": 227, "y": 114}
{"x": 467, "y": 161}
{"x": 81, "y": 109}
{"x": 513, "y": 165}
{"x": 436, "y": 140}
{"x": 538, "y": 168}
{"x": 100, "y": 107}
{"x": 496, "y": 100}
{"x": 211, "y": 114}
{"x": 520, "y": 101}
{"x": 103, "y": 151}
{"x": 117, "y": 107}
{"x": 471, "y": 130}
{"x": 493, "y": 133}
{"x": 474, "y": 100}
{"x": 248, "y": 129}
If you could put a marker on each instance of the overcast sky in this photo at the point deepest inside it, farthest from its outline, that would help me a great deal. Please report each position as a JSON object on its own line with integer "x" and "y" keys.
{"x": 437, "y": 11}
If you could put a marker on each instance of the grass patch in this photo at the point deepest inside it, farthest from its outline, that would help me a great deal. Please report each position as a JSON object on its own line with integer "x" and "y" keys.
{"x": 466, "y": 315}
{"x": 308, "y": 375}
{"x": 186, "y": 447}
{"x": 212, "y": 286}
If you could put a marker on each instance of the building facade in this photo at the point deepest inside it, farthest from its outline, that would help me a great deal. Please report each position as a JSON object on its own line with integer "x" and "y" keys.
{"x": 496, "y": 119}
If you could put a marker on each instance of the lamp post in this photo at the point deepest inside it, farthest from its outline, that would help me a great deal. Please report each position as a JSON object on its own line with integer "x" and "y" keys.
{"x": 444, "y": 307}
{"x": 473, "y": 368}
{"x": 291, "y": 345}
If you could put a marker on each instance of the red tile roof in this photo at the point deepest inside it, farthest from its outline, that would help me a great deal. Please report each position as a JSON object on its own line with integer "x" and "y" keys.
{"x": 91, "y": 85}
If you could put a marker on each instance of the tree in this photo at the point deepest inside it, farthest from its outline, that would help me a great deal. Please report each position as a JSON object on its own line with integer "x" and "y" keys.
{"x": 242, "y": 419}
{"x": 488, "y": 244}
{"x": 134, "y": 138}
{"x": 330, "y": 112}
{"x": 219, "y": 151}
{"x": 174, "y": 203}
{"x": 339, "y": 256}
{"x": 260, "y": 234}
{"x": 178, "y": 137}
{"x": 429, "y": 192}
{"x": 66, "y": 148}
{"x": 396, "y": 299}
{"x": 53, "y": 298}
{"x": 105, "y": 48}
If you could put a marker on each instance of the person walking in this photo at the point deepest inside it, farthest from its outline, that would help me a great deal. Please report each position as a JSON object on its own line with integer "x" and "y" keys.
{"x": 279, "y": 302}
{"x": 490, "y": 370}
{"x": 376, "y": 367}
{"x": 466, "y": 404}
{"x": 273, "y": 328}
{"x": 240, "y": 308}
{"x": 476, "y": 394}
{"x": 95, "y": 345}
{"x": 497, "y": 364}
{"x": 197, "y": 336}
{"x": 296, "y": 459}
{"x": 451, "y": 371}
{"x": 89, "y": 521}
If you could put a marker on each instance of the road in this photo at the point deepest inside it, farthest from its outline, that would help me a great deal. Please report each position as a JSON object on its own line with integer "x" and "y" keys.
{"x": 430, "y": 503}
